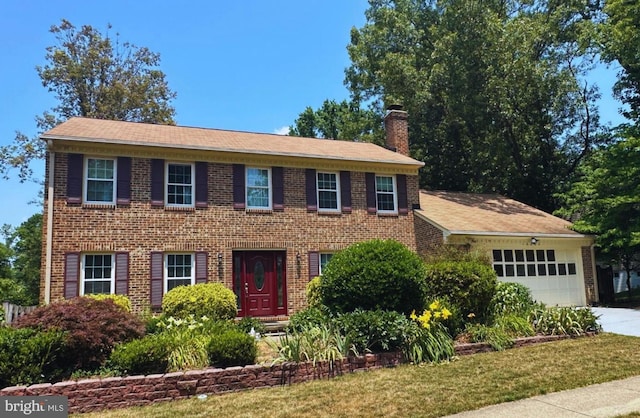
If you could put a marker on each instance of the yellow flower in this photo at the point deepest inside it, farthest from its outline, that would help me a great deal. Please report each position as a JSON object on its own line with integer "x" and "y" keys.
{"x": 445, "y": 313}
{"x": 437, "y": 314}
{"x": 413, "y": 315}
{"x": 434, "y": 306}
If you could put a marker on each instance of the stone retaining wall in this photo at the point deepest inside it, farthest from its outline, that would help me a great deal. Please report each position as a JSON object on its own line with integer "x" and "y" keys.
{"x": 119, "y": 392}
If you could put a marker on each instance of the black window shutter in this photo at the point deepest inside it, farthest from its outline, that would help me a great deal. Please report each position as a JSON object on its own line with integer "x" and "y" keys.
{"x": 157, "y": 279}
{"x": 401, "y": 183}
{"x": 314, "y": 264}
{"x": 71, "y": 275}
{"x": 122, "y": 273}
{"x": 157, "y": 182}
{"x": 202, "y": 184}
{"x": 370, "y": 181}
{"x": 345, "y": 191}
{"x": 123, "y": 186}
{"x": 201, "y": 267}
{"x": 238, "y": 186}
{"x": 277, "y": 180}
{"x": 75, "y": 163}
{"x": 312, "y": 198}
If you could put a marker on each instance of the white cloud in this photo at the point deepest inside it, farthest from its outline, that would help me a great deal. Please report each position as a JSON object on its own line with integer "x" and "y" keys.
{"x": 282, "y": 131}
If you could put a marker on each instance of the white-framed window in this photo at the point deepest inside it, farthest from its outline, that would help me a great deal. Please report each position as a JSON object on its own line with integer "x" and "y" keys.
{"x": 531, "y": 263}
{"x": 324, "y": 259}
{"x": 258, "y": 188}
{"x": 386, "y": 194}
{"x": 100, "y": 180}
{"x": 97, "y": 274}
{"x": 180, "y": 185}
{"x": 179, "y": 270}
{"x": 328, "y": 187}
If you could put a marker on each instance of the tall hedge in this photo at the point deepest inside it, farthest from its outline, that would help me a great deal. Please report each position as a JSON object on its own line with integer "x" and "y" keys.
{"x": 370, "y": 275}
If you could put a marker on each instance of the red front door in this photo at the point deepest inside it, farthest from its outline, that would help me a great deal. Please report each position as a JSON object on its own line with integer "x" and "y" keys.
{"x": 259, "y": 282}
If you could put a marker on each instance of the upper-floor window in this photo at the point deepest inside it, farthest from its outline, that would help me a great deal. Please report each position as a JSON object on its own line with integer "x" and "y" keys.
{"x": 97, "y": 274}
{"x": 258, "y": 188}
{"x": 328, "y": 192}
{"x": 386, "y": 196}
{"x": 179, "y": 270}
{"x": 180, "y": 185}
{"x": 100, "y": 184}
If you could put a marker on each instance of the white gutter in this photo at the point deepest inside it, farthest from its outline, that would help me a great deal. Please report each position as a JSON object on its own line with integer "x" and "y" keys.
{"x": 49, "y": 239}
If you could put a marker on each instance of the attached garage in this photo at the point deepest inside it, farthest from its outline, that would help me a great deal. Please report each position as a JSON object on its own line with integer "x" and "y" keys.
{"x": 526, "y": 245}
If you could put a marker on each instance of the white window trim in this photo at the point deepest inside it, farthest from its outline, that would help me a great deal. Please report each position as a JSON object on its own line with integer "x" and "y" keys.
{"x": 112, "y": 280}
{"x": 320, "y": 261}
{"x": 270, "y": 188}
{"x": 395, "y": 195}
{"x": 338, "y": 209}
{"x": 165, "y": 281}
{"x": 85, "y": 181}
{"x": 166, "y": 185}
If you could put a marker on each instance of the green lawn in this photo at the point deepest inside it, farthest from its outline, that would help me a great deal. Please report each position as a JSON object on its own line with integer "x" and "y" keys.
{"x": 467, "y": 383}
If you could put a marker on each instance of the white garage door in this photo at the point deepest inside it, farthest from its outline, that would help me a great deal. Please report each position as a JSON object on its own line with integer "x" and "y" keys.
{"x": 553, "y": 276}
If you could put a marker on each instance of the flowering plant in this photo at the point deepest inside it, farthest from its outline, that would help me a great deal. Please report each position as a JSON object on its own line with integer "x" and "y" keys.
{"x": 434, "y": 314}
{"x": 429, "y": 339}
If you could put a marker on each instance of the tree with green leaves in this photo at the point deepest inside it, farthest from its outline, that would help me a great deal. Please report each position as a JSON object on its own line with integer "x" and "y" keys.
{"x": 93, "y": 75}
{"x": 495, "y": 90}
{"x": 606, "y": 202}
{"x": 344, "y": 120}
{"x": 621, "y": 42}
{"x": 27, "y": 250}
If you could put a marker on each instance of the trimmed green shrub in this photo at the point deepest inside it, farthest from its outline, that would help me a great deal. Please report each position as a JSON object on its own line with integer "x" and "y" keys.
{"x": 147, "y": 355}
{"x": 309, "y": 317}
{"x": 468, "y": 284}
{"x": 120, "y": 300}
{"x": 372, "y": 331}
{"x": 29, "y": 356}
{"x": 376, "y": 274}
{"x": 314, "y": 297}
{"x": 232, "y": 348}
{"x": 93, "y": 327}
{"x": 511, "y": 298}
{"x": 212, "y": 300}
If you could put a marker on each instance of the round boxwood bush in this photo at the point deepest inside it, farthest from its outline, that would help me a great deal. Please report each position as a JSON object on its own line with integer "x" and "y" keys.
{"x": 93, "y": 327}
{"x": 469, "y": 285}
{"x": 212, "y": 300}
{"x": 232, "y": 348}
{"x": 376, "y": 274}
{"x": 146, "y": 355}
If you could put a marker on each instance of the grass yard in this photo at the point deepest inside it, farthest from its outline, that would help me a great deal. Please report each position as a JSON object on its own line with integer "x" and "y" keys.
{"x": 467, "y": 383}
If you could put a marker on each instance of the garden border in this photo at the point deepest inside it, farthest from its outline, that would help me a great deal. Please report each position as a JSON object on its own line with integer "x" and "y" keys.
{"x": 119, "y": 392}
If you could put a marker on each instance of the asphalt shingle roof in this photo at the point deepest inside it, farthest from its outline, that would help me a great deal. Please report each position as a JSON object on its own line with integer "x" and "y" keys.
{"x": 488, "y": 213}
{"x": 134, "y": 133}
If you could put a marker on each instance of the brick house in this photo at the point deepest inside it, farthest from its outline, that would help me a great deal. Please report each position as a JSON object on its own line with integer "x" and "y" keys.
{"x": 137, "y": 209}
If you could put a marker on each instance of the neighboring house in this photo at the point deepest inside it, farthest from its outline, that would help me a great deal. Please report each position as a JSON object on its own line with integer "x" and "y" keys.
{"x": 137, "y": 209}
{"x": 526, "y": 245}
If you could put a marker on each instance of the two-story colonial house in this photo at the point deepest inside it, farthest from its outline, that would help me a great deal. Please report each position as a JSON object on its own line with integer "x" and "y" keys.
{"x": 138, "y": 209}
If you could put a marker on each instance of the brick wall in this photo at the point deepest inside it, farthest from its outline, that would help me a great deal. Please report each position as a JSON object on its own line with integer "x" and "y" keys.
{"x": 140, "y": 229}
{"x": 589, "y": 275}
{"x": 427, "y": 235}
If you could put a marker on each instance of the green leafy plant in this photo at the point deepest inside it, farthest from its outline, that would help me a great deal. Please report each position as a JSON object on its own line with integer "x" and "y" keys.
{"x": 29, "y": 356}
{"x": 372, "y": 331}
{"x": 427, "y": 338}
{"x": 92, "y": 329}
{"x": 213, "y": 300}
{"x": 231, "y": 348}
{"x": 313, "y": 343}
{"x": 311, "y": 316}
{"x": 511, "y": 298}
{"x": 567, "y": 321}
{"x": 120, "y": 300}
{"x": 495, "y": 336}
{"x": 247, "y": 323}
{"x": 370, "y": 275}
{"x": 146, "y": 355}
{"x": 314, "y": 297}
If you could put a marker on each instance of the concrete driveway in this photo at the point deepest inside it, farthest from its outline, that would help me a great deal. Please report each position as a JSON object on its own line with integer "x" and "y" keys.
{"x": 619, "y": 320}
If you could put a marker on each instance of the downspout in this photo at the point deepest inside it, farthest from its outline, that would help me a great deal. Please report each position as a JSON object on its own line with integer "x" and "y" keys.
{"x": 49, "y": 239}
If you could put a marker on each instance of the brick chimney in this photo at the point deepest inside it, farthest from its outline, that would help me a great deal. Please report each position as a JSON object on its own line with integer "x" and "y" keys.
{"x": 396, "y": 130}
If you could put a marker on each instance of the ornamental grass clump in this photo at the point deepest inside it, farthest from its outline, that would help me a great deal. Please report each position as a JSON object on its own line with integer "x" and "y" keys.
{"x": 427, "y": 337}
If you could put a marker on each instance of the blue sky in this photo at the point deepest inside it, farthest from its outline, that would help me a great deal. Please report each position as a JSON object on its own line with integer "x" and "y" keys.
{"x": 250, "y": 65}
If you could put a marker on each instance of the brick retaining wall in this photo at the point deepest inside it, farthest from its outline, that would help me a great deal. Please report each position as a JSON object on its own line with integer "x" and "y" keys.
{"x": 120, "y": 392}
